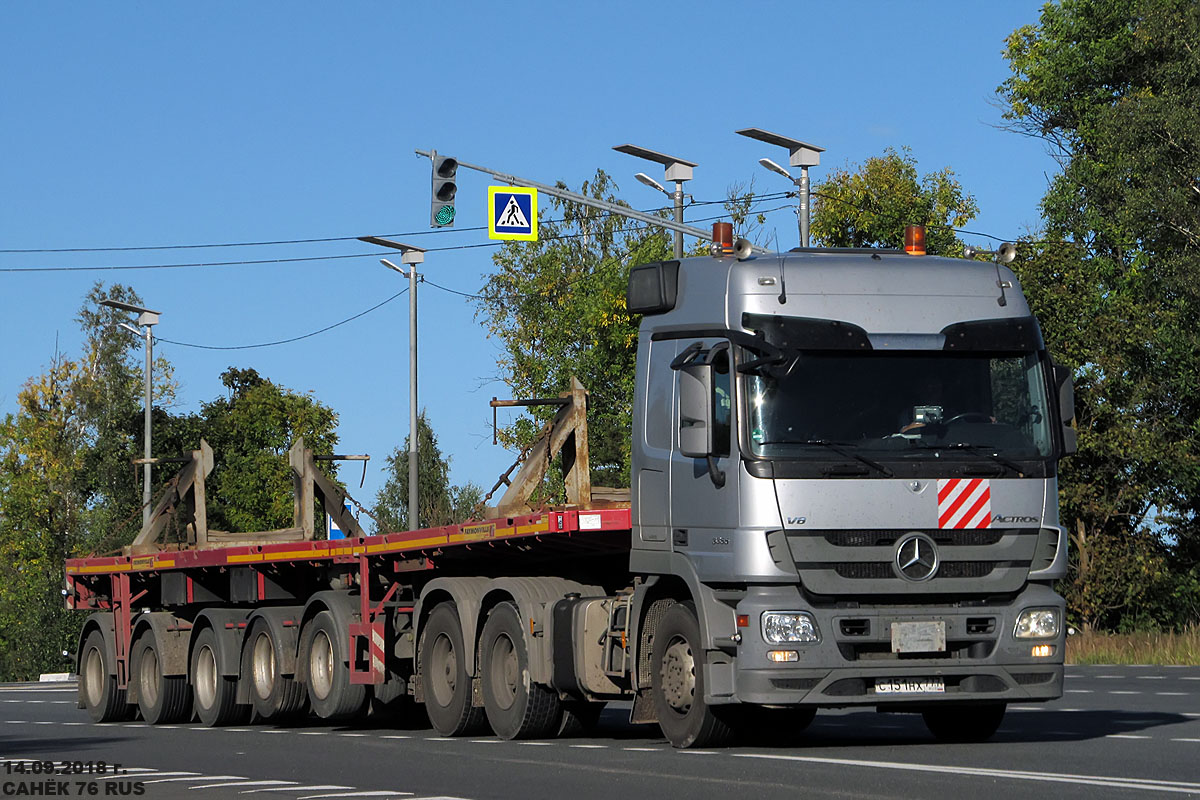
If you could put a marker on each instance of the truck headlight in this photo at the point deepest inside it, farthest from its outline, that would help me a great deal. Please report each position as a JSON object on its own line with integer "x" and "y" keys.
{"x": 789, "y": 626}
{"x": 1037, "y": 623}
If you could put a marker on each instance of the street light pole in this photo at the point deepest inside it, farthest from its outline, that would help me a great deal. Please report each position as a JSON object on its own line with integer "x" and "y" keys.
{"x": 410, "y": 256}
{"x": 677, "y": 170}
{"x": 147, "y": 319}
{"x": 802, "y": 155}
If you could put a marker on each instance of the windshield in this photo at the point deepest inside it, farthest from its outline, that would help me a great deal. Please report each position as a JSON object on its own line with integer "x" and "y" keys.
{"x": 900, "y": 403}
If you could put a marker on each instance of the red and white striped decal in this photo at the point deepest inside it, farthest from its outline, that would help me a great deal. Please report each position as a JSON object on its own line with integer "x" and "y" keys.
{"x": 964, "y": 503}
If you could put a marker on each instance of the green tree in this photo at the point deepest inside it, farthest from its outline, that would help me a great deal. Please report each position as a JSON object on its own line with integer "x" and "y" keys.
{"x": 1112, "y": 87}
{"x": 251, "y": 432}
{"x": 558, "y": 307}
{"x": 438, "y": 502}
{"x": 869, "y": 206}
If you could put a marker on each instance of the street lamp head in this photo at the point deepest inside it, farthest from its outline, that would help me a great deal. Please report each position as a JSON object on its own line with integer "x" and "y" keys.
{"x": 653, "y": 184}
{"x": 771, "y": 165}
{"x": 676, "y": 169}
{"x": 145, "y": 315}
{"x": 408, "y": 253}
{"x": 390, "y": 265}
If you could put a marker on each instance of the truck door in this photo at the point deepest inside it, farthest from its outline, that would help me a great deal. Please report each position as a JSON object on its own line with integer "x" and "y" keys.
{"x": 655, "y": 437}
{"x": 703, "y": 513}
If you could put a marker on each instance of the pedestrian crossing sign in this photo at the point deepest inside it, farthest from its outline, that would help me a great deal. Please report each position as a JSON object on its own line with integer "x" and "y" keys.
{"x": 512, "y": 213}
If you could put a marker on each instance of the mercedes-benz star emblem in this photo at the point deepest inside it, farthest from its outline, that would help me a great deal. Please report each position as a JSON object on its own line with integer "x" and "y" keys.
{"x": 916, "y": 557}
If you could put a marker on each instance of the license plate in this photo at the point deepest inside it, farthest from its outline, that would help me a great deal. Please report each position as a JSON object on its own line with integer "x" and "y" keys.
{"x": 919, "y": 637}
{"x": 910, "y": 686}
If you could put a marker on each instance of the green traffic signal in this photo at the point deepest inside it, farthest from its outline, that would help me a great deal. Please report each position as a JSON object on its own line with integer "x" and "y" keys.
{"x": 444, "y": 215}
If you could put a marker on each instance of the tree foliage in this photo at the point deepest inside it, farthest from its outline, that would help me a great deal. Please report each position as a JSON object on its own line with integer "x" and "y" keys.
{"x": 558, "y": 307}
{"x": 869, "y": 206}
{"x": 1112, "y": 87}
{"x": 438, "y": 501}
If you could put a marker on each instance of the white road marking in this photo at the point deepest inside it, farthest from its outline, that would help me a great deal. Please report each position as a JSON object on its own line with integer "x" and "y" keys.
{"x": 15, "y": 721}
{"x": 1124, "y": 736}
{"x": 152, "y": 772}
{"x": 1027, "y": 708}
{"x": 478, "y": 741}
{"x": 200, "y": 778}
{"x": 356, "y": 794}
{"x": 314, "y": 733}
{"x": 1152, "y": 677}
{"x": 1185, "y": 740}
{"x": 1124, "y": 692}
{"x": 642, "y": 749}
{"x": 42, "y": 722}
{"x": 74, "y": 723}
{"x": 293, "y": 784}
{"x": 1191, "y": 714}
{"x": 236, "y": 730}
{"x": 1191, "y": 678}
{"x": 356, "y": 735}
{"x": 320, "y": 787}
{"x": 1108, "y": 676}
{"x": 698, "y": 752}
{"x": 1079, "y": 691}
{"x": 1180, "y": 787}
{"x": 395, "y": 736}
{"x": 536, "y": 744}
{"x": 589, "y": 746}
{"x": 266, "y": 731}
{"x": 1172, "y": 694}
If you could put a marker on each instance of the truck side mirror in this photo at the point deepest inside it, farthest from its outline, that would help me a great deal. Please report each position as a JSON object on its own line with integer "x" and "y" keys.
{"x": 1066, "y": 408}
{"x": 695, "y": 410}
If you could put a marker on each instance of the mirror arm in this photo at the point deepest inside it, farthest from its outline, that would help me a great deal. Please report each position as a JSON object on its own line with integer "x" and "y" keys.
{"x": 717, "y": 476}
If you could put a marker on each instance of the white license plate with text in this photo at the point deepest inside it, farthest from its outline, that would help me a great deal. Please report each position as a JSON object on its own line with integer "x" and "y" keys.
{"x": 910, "y": 686}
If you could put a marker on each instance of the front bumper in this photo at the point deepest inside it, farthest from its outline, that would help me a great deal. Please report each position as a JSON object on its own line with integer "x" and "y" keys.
{"x": 983, "y": 662}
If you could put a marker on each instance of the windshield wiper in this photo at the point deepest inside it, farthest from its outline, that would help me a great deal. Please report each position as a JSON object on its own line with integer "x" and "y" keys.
{"x": 982, "y": 451}
{"x": 840, "y": 450}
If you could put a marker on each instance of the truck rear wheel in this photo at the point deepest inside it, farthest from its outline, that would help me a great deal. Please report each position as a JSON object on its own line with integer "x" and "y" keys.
{"x": 98, "y": 690}
{"x": 677, "y": 682}
{"x": 161, "y": 698}
{"x": 215, "y": 695}
{"x": 274, "y": 696}
{"x": 444, "y": 674}
{"x": 517, "y": 708}
{"x": 330, "y": 692}
{"x": 964, "y": 723}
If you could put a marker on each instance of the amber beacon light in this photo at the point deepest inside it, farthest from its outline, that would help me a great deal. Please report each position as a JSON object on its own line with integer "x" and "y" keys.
{"x": 914, "y": 240}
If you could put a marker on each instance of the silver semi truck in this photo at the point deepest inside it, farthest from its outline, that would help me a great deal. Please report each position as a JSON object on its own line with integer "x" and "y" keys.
{"x": 843, "y": 495}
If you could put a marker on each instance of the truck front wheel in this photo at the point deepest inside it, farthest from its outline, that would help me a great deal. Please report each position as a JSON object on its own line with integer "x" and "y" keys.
{"x": 964, "y": 723}
{"x": 677, "y": 682}
{"x": 444, "y": 676}
{"x": 517, "y": 708}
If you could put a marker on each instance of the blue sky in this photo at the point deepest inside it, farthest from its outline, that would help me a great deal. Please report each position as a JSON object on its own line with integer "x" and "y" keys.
{"x": 141, "y": 123}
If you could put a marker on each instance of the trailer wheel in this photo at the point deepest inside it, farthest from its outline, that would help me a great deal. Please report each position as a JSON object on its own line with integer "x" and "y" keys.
{"x": 215, "y": 695}
{"x": 274, "y": 696}
{"x": 98, "y": 690}
{"x": 964, "y": 723}
{"x": 161, "y": 698}
{"x": 330, "y": 692}
{"x": 444, "y": 673}
{"x": 517, "y": 708}
{"x": 677, "y": 682}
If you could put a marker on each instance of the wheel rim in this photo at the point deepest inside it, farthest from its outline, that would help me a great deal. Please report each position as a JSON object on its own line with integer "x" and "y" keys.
{"x": 93, "y": 674}
{"x": 679, "y": 675}
{"x": 443, "y": 669}
{"x": 264, "y": 665}
{"x": 148, "y": 674}
{"x": 320, "y": 665}
{"x": 206, "y": 677}
{"x": 504, "y": 671}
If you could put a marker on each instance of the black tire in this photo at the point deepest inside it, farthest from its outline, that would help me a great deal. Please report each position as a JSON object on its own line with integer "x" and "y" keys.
{"x": 275, "y": 697}
{"x": 444, "y": 676}
{"x": 161, "y": 698}
{"x": 579, "y": 718}
{"x": 214, "y": 696}
{"x": 517, "y": 708}
{"x": 330, "y": 693}
{"x": 677, "y": 682}
{"x": 966, "y": 723}
{"x": 98, "y": 691}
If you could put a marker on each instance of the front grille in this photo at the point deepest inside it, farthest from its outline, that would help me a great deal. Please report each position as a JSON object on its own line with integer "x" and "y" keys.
{"x": 1031, "y": 678}
{"x": 944, "y": 538}
{"x": 794, "y": 684}
{"x": 874, "y": 570}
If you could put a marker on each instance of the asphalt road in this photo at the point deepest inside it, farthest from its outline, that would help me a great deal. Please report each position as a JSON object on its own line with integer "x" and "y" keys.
{"x": 1117, "y": 732}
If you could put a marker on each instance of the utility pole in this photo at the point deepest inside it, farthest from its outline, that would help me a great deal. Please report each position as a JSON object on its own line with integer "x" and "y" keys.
{"x": 591, "y": 202}
{"x": 802, "y": 155}
{"x": 675, "y": 169}
{"x": 410, "y": 256}
{"x": 147, "y": 319}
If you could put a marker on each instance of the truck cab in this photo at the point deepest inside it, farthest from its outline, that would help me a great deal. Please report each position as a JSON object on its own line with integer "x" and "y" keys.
{"x": 849, "y": 460}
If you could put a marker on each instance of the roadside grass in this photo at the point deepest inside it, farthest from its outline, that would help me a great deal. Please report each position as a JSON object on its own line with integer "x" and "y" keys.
{"x": 1135, "y": 648}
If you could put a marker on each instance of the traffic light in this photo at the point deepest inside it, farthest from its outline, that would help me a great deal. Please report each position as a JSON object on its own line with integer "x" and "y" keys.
{"x": 441, "y": 212}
